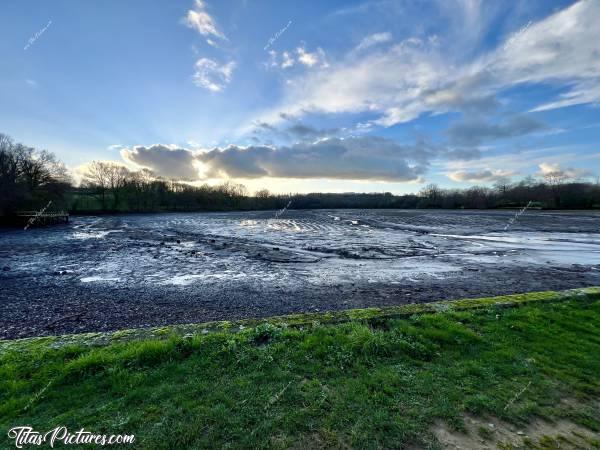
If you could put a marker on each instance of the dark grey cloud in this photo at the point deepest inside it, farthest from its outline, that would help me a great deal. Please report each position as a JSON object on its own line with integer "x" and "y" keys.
{"x": 359, "y": 158}
{"x": 364, "y": 158}
{"x": 303, "y": 132}
{"x": 353, "y": 158}
{"x": 297, "y": 132}
{"x": 474, "y": 131}
{"x": 163, "y": 160}
{"x": 463, "y": 154}
{"x": 286, "y": 116}
{"x": 477, "y": 104}
{"x": 260, "y": 125}
{"x": 464, "y": 96}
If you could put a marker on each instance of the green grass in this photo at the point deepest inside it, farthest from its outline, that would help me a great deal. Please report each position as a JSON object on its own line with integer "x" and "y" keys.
{"x": 358, "y": 380}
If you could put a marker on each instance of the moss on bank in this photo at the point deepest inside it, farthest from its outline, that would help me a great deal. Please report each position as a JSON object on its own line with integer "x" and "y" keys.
{"x": 367, "y": 315}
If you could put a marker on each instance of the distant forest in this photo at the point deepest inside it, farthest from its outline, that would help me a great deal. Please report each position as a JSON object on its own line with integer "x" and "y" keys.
{"x": 31, "y": 178}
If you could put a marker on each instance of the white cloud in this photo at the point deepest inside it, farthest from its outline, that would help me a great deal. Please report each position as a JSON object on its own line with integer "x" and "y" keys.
{"x": 525, "y": 161}
{"x": 272, "y": 59}
{"x": 301, "y": 56}
{"x": 198, "y": 19}
{"x": 413, "y": 77}
{"x": 212, "y": 76}
{"x": 485, "y": 175}
{"x": 389, "y": 82}
{"x": 561, "y": 49}
{"x": 287, "y": 60}
{"x": 311, "y": 59}
{"x": 554, "y": 169}
{"x": 374, "y": 39}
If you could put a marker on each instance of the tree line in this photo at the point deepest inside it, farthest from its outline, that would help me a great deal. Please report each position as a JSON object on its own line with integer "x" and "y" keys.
{"x": 29, "y": 178}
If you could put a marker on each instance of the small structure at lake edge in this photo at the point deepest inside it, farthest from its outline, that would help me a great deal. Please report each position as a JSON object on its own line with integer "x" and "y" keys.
{"x": 37, "y": 218}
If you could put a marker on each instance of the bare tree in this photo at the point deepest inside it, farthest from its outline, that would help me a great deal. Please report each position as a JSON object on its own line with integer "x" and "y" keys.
{"x": 9, "y": 175}
{"x": 96, "y": 177}
{"x": 6, "y": 143}
{"x": 262, "y": 194}
{"x": 117, "y": 177}
{"x": 41, "y": 168}
{"x": 140, "y": 186}
{"x": 107, "y": 177}
{"x": 502, "y": 185}
{"x": 432, "y": 193}
{"x": 556, "y": 180}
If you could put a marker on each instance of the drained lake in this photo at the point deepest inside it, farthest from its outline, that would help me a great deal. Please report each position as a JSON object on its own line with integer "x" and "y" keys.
{"x": 112, "y": 272}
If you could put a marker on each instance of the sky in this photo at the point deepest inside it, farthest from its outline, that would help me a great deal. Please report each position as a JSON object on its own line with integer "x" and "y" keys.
{"x": 335, "y": 96}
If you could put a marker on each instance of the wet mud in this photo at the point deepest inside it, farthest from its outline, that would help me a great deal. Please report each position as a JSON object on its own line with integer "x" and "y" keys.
{"x": 114, "y": 272}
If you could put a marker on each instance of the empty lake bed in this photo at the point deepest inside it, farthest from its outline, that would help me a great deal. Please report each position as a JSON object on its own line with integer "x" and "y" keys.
{"x": 111, "y": 272}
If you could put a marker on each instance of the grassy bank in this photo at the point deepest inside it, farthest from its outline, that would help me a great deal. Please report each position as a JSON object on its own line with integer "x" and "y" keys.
{"x": 398, "y": 377}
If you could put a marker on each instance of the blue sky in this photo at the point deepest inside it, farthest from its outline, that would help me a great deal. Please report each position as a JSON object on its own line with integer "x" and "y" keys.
{"x": 308, "y": 96}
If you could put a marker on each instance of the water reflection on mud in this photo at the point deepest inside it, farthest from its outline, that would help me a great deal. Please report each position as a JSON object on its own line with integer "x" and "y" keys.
{"x": 303, "y": 259}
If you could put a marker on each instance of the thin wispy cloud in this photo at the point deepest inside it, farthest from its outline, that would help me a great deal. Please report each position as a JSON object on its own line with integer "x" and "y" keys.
{"x": 374, "y": 39}
{"x": 478, "y": 176}
{"x": 401, "y": 82}
{"x": 200, "y": 20}
{"x": 211, "y": 75}
{"x": 311, "y": 59}
{"x": 300, "y": 56}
